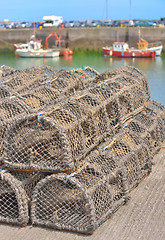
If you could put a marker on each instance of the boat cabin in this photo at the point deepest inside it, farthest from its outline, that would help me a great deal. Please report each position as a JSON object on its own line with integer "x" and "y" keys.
{"x": 142, "y": 44}
{"x": 34, "y": 44}
{"x": 24, "y": 46}
{"x": 120, "y": 46}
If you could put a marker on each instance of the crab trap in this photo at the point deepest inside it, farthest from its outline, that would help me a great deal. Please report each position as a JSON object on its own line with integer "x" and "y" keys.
{"x": 20, "y": 81}
{"x": 13, "y": 200}
{"x": 150, "y": 126}
{"x": 96, "y": 188}
{"x": 5, "y": 71}
{"x": 10, "y": 109}
{"x": 131, "y": 74}
{"x": 75, "y": 126}
{"x": 5, "y": 92}
{"x": 34, "y": 102}
{"x": 43, "y": 72}
{"x": 15, "y": 195}
{"x": 131, "y": 151}
{"x": 75, "y": 143}
{"x": 77, "y": 202}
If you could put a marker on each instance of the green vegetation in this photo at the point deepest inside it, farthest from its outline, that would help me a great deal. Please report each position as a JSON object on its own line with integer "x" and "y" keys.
{"x": 78, "y": 51}
{"x": 87, "y": 51}
{"x": 7, "y": 50}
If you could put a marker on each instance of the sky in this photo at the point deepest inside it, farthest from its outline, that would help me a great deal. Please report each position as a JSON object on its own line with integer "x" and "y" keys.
{"x": 34, "y": 10}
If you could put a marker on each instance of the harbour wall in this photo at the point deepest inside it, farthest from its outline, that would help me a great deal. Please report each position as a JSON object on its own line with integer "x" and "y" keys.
{"x": 86, "y": 37}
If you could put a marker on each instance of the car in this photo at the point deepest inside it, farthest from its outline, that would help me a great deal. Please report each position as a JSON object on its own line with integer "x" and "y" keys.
{"x": 69, "y": 24}
{"x": 107, "y": 23}
{"x": 83, "y": 24}
{"x": 76, "y": 24}
{"x": 95, "y": 23}
{"x": 28, "y": 25}
{"x": 2, "y": 26}
{"x": 19, "y": 25}
{"x": 144, "y": 24}
{"x": 116, "y": 23}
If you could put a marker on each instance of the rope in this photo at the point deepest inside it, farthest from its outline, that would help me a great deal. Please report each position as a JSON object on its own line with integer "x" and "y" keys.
{"x": 2, "y": 174}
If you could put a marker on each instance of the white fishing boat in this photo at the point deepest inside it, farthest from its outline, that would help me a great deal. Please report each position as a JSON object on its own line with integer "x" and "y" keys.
{"x": 33, "y": 49}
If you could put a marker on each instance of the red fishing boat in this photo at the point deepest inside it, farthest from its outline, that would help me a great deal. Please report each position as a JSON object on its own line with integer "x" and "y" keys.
{"x": 121, "y": 49}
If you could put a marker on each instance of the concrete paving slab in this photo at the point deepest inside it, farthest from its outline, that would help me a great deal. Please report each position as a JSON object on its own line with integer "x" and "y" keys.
{"x": 142, "y": 218}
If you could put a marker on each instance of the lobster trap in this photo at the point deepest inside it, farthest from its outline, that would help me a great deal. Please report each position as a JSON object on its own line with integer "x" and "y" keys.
{"x": 43, "y": 72}
{"x": 5, "y": 71}
{"x": 150, "y": 127}
{"x": 97, "y": 132}
{"x": 10, "y": 110}
{"x": 5, "y": 92}
{"x": 139, "y": 76}
{"x": 156, "y": 109}
{"x": 87, "y": 74}
{"x": 48, "y": 94}
{"x": 34, "y": 102}
{"x": 129, "y": 74}
{"x": 28, "y": 181}
{"x": 20, "y": 81}
{"x": 80, "y": 124}
{"x": 13, "y": 200}
{"x": 77, "y": 202}
{"x": 36, "y": 143}
{"x": 133, "y": 154}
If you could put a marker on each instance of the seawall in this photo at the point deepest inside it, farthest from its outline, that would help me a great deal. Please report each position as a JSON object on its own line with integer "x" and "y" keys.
{"x": 85, "y": 37}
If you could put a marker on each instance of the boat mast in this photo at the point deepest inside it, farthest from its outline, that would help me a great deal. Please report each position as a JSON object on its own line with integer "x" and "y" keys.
{"x": 106, "y": 9}
{"x": 34, "y": 32}
{"x": 130, "y": 15}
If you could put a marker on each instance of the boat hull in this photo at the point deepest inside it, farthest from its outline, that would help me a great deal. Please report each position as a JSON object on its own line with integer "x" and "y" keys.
{"x": 133, "y": 53}
{"x": 64, "y": 52}
{"x": 37, "y": 54}
{"x": 158, "y": 50}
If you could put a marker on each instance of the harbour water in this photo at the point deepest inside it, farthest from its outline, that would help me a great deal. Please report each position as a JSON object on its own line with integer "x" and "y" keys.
{"x": 153, "y": 68}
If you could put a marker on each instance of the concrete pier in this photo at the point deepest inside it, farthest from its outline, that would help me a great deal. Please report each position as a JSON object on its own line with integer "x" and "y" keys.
{"x": 142, "y": 218}
{"x": 86, "y": 37}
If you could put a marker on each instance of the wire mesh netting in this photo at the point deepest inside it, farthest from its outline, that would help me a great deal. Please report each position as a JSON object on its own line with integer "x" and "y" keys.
{"x": 130, "y": 149}
{"x": 159, "y": 110}
{"x": 131, "y": 74}
{"x": 5, "y": 71}
{"x": 13, "y": 200}
{"x": 36, "y": 143}
{"x": 32, "y": 101}
{"x": 20, "y": 81}
{"x": 28, "y": 181}
{"x": 96, "y": 188}
{"x": 5, "y": 92}
{"x": 100, "y": 129}
{"x": 48, "y": 94}
{"x": 10, "y": 109}
{"x": 97, "y": 119}
{"x": 79, "y": 202}
{"x": 84, "y": 122}
{"x": 150, "y": 126}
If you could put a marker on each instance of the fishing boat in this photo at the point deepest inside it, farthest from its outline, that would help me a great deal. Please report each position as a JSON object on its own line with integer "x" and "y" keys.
{"x": 33, "y": 49}
{"x": 146, "y": 46}
{"x": 121, "y": 49}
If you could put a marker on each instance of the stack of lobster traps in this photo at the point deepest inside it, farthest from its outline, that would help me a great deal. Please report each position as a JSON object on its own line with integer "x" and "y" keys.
{"x": 74, "y": 143}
